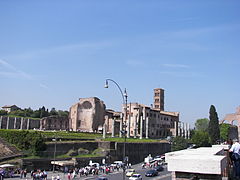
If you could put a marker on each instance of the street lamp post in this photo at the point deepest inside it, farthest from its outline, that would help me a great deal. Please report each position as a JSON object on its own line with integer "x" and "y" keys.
{"x": 124, "y": 98}
{"x": 54, "y": 153}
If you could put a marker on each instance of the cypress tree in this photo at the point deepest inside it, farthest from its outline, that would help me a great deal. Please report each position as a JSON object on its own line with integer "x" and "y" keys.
{"x": 213, "y": 126}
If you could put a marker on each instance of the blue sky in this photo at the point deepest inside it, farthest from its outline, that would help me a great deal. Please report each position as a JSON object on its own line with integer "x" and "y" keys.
{"x": 54, "y": 52}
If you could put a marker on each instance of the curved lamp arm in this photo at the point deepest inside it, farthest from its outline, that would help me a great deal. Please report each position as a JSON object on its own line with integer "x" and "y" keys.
{"x": 125, "y": 92}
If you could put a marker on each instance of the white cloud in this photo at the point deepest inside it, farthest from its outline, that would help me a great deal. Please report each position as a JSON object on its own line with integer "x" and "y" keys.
{"x": 176, "y": 65}
{"x": 11, "y": 71}
{"x": 182, "y": 74}
{"x": 43, "y": 86}
{"x": 86, "y": 46}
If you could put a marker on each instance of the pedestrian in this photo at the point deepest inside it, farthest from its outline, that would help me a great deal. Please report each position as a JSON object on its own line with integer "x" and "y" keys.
{"x": 44, "y": 175}
{"x": 58, "y": 177}
{"x": 235, "y": 149}
{"x": 21, "y": 173}
{"x": 69, "y": 176}
{"x": 25, "y": 173}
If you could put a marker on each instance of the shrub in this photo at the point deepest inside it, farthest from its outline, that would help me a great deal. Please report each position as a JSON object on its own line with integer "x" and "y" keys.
{"x": 201, "y": 139}
{"x": 83, "y": 151}
{"x": 179, "y": 143}
{"x": 72, "y": 152}
{"x": 24, "y": 140}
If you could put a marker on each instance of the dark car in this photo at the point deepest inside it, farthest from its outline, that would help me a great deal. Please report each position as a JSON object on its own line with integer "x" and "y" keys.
{"x": 151, "y": 173}
{"x": 159, "y": 168}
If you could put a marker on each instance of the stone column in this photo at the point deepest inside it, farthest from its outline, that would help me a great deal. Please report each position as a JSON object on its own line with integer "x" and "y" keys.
{"x": 129, "y": 125}
{"x": 135, "y": 126}
{"x": 183, "y": 131}
{"x": 28, "y": 124}
{"x": 1, "y": 122}
{"x": 147, "y": 127}
{"x": 141, "y": 127}
{"x": 7, "y": 123}
{"x": 175, "y": 128}
{"x": 21, "y": 126}
{"x": 15, "y": 122}
{"x": 104, "y": 131}
{"x": 121, "y": 127}
{"x": 188, "y": 131}
{"x": 144, "y": 121}
{"x": 113, "y": 127}
{"x": 180, "y": 128}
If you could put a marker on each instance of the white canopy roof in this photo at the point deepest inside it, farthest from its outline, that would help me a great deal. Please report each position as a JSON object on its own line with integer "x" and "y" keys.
{"x": 64, "y": 163}
{"x": 6, "y": 165}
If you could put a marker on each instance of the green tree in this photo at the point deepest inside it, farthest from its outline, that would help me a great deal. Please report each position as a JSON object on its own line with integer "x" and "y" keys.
{"x": 43, "y": 112}
{"x": 179, "y": 143}
{"x": 2, "y": 113}
{"x": 18, "y": 113}
{"x": 201, "y": 139}
{"x": 224, "y": 131}
{"x": 213, "y": 127}
{"x": 36, "y": 114}
{"x": 53, "y": 112}
{"x": 63, "y": 113}
{"x": 202, "y": 124}
{"x": 28, "y": 112}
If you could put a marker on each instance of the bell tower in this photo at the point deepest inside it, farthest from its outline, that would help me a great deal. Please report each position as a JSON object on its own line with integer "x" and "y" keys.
{"x": 159, "y": 99}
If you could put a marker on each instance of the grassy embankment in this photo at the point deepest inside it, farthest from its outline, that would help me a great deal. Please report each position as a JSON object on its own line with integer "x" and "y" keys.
{"x": 28, "y": 141}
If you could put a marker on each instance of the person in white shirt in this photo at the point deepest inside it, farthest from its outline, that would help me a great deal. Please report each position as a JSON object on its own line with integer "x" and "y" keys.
{"x": 235, "y": 149}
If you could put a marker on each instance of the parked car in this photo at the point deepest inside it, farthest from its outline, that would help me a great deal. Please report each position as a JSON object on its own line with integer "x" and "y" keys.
{"x": 151, "y": 173}
{"x": 117, "y": 163}
{"x": 130, "y": 172}
{"x": 136, "y": 177}
{"x": 159, "y": 168}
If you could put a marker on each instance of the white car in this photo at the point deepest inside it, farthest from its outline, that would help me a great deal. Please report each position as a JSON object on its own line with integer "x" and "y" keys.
{"x": 136, "y": 177}
{"x": 130, "y": 172}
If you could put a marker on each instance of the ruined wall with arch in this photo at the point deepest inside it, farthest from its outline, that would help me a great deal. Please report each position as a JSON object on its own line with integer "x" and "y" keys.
{"x": 233, "y": 119}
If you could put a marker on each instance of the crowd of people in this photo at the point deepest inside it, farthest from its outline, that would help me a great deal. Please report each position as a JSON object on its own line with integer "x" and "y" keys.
{"x": 68, "y": 172}
{"x": 91, "y": 170}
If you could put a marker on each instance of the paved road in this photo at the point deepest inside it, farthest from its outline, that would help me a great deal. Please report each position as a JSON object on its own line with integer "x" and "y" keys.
{"x": 117, "y": 175}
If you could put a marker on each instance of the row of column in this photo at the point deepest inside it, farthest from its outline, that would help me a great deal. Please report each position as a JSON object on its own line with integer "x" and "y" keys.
{"x": 128, "y": 125}
{"x": 183, "y": 130}
{"x": 14, "y": 124}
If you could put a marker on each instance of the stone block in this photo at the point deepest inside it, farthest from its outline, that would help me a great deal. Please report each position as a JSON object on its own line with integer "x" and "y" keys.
{"x": 208, "y": 160}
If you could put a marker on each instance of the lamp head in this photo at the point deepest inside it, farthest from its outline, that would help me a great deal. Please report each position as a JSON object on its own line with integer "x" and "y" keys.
{"x": 125, "y": 93}
{"x": 106, "y": 84}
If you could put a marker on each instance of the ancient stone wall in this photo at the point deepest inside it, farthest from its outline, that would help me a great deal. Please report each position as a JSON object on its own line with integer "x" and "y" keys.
{"x": 47, "y": 123}
{"x": 64, "y": 147}
{"x": 136, "y": 152}
{"x": 54, "y": 123}
{"x": 87, "y": 115}
{"x": 233, "y": 132}
{"x": 18, "y": 123}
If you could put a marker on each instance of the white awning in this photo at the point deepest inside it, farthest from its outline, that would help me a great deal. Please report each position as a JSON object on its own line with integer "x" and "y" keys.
{"x": 6, "y": 165}
{"x": 64, "y": 163}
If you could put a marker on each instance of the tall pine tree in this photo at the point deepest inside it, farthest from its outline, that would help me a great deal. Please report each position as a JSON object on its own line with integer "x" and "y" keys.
{"x": 213, "y": 126}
